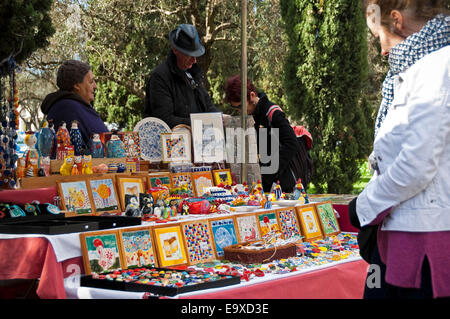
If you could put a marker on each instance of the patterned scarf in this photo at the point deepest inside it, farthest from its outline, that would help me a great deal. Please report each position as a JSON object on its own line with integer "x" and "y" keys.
{"x": 432, "y": 37}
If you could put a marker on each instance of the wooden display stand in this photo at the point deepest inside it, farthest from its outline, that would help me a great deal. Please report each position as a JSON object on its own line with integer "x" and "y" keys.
{"x": 48, "y": 181}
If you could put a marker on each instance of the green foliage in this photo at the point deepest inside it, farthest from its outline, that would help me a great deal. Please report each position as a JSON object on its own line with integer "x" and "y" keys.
{"x": 325, "y": 77}
{"x": 25, "y": 26}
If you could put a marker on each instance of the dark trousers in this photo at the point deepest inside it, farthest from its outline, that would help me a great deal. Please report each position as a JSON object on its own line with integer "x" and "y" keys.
{"x": 385, "y": 290}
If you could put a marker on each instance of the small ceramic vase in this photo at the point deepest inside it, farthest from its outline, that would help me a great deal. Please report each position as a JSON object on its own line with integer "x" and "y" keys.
{"x": 96, "y": 147}
{"x": 45, "y": 140}
{"x": 76, "y": 139}
{"x": 115, "y": 147}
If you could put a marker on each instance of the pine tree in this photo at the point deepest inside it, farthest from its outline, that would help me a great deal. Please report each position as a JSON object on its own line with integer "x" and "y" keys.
{"x": 325, "y": 78}
{"x": 25, "y": 26}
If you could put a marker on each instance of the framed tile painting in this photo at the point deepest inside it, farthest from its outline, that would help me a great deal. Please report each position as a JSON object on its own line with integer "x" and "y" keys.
{"x": 129, "y": 185}
{"x": 180, "y": 179}
{"x": 202, "y": 180}
{"x": 309, "y": 222}
{"x": 222, "y": 176}
{"x": 75, "y": 196}
{"x": 175, "y": 147}
{"x": 198, "y": 241}
{"x": 247, "y": 227}
{"x": 268, "y": 222}
{"x": 137, "y": 247}
{"x": 158, "y": 179}
{"x": 101, "y": 251}
{"x": 169, "y": 246}
{"x": 224, "y": 234}
{"x": 327, "y": 217}
{"x": 289, "y": 226}
{"x": 104, "y": 195}
{"x": 208, "y": 137}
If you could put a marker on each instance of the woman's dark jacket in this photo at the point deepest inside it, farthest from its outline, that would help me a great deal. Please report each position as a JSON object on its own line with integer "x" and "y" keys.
{"x": 172, "y": 96}
{"x": 288, "y": 144}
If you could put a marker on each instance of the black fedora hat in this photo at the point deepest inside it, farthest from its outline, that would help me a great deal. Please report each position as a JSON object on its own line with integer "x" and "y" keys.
{"x": 186, "y": 40}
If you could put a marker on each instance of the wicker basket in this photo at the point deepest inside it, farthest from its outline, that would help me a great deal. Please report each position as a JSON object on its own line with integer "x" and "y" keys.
{"x": 256, "y": 256}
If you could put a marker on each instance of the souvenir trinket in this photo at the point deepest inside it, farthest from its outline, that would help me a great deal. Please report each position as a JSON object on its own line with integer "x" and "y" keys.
{"x": 115, "y": 147}
{"x": 76, "y": 139}
{"x": 96, "y": 147}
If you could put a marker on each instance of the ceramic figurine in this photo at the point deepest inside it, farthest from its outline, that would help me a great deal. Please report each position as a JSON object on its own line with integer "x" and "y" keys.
{"x": 76, "y": 139}
{"x": 45, "y": 140}
{"x": 51, "y": 126}
{"x": 75, "y": 170}
{"x": 45, "y": 165}
{"x": 96, "y": 147}
{"x": 32, "y": 167}
{"x": 31, "y": 152}
{"x": 63, "y": 141}
{"x": 115, "y": 147}
{"x": 66, "y": 167}
{"x": 78, "y": 161}
{"x": 20, "y": 170}
{"x": 87, "y": 165}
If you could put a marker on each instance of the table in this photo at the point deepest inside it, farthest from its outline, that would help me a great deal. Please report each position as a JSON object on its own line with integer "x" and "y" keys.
{"x": 33, "y": 256}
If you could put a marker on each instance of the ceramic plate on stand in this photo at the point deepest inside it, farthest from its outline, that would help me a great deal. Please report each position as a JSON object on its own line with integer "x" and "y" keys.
{"x": 287, "y": 203}
{"x": 150, "y": 129}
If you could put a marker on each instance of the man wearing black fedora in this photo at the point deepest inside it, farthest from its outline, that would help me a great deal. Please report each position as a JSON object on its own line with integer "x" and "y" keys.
{"x": 174, "y": 89}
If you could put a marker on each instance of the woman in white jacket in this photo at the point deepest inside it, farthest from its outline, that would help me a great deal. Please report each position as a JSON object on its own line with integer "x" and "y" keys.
{"x": 409, "y": 194}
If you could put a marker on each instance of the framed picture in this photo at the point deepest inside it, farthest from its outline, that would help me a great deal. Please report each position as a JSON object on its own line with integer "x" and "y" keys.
{"x": 268, "y": 222}
{"x": 202, "y": 180}
{"x": 104, "y": 195}
{"x": 224, "y": 234}
{"x": 208, "y": 137}
{"x": 247, "y": 227}
{"x": 137, "y": 247}
{"x": 289, "y": 226}
{"x": 158, "y": 180}
{"x": 175, "y": 147}
{"x": 129, "y": 185}
{"x": 75, "y": 196}
{"x": 327, "y": 217}
{"x": 309, "y": 222}
{"x": 169, "y": 245}
{"x": 101, "y": 251}
{"x": 198, "y": 241}
{"x": 180, "y": 179}
{"x": 222, "y": 176}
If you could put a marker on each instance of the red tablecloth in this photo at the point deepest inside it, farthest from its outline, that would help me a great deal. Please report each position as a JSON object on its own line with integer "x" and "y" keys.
{"x": 30, "y": 258}
{"x": 343, "y": 281}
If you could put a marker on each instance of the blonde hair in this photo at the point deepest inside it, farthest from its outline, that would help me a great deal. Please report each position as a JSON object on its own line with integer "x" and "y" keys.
{"x": 422, "y": 9}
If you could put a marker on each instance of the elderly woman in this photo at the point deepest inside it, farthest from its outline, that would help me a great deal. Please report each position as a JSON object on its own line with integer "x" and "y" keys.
{"x": 408, "y": 198}
{"x": 72, "y": 101}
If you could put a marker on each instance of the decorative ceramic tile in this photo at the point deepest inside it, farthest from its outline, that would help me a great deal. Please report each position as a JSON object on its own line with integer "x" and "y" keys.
{"x": 224, "y": 234}
{"x": 248, "y": 228}
{"x": 150, "y": 130}
{"x": 198, "y": 241}
{"x": 288, "y": 222}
